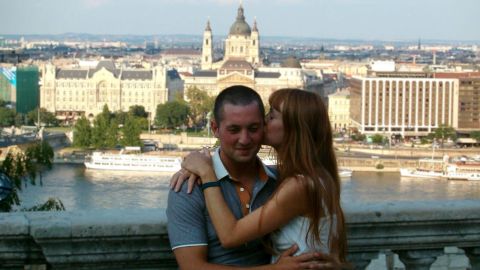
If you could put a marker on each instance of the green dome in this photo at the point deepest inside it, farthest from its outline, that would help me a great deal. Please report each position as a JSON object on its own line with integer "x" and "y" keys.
{"x": 240, "y": 26}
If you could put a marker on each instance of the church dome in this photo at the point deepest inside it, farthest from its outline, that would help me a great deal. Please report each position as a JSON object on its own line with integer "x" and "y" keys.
{"x": 291, "y": 62}
{"x": 240, "y": 26}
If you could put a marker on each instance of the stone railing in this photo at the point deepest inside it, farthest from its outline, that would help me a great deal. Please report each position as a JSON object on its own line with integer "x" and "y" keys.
{"x": 137, "y": 239}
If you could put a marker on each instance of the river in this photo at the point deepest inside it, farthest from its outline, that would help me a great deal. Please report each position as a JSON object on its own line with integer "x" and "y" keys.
{"x": 83, "y": 189}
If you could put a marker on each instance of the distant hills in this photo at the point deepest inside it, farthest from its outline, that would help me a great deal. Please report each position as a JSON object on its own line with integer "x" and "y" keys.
{"x": 179, "y": 38}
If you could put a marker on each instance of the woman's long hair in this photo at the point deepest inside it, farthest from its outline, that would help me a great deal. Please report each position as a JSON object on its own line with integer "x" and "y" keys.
{"x": 307, "y": 149}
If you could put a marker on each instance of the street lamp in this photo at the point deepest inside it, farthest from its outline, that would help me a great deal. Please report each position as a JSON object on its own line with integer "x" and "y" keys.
{"x": 5, "y": 186}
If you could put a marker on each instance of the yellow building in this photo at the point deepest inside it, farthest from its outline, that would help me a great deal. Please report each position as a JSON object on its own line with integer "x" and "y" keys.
{"x": 339, "y": 110}
{"x": 70, "y": 93}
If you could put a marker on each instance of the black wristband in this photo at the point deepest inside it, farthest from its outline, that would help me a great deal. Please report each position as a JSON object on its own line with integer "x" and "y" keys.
{"x": 210, "y": 184}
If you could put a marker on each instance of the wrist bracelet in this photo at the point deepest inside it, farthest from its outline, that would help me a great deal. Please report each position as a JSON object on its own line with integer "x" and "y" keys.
{"x": 210, "y": 184}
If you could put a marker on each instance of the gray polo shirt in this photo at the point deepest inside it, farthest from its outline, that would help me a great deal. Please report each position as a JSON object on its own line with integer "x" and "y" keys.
{"x": 189, "y": 223}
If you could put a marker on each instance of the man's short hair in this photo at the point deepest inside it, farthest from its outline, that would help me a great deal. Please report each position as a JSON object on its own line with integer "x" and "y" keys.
{"x": 236, "y": 95}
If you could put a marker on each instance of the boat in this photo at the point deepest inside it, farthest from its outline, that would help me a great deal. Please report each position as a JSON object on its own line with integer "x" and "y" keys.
{"x": 462, "y": 171}
{"x": 417, "y": 173}
{"x": 132, "y": 162}
{"x": 345, "y": 173}
{"x": 426, "y": 168}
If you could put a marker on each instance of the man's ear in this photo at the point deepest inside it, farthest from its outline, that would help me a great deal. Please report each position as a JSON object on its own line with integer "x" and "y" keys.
{"x": 215, "y": 128}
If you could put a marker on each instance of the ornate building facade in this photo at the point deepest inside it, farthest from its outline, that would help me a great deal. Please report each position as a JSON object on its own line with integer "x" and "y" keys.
{"x": 70, "y": 93}
{"x": 242, "y": 65}
{"x": 339, "y": 110}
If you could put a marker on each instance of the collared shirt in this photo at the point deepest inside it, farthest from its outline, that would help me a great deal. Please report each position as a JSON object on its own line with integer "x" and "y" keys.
{"x": 189, "y": 223}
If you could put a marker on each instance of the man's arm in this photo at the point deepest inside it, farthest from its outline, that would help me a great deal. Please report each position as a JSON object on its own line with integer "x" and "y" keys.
{"x": 195, "y": 258}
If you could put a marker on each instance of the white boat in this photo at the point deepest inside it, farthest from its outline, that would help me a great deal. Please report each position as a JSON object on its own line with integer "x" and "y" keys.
{"x": 462, "y": 172}
{"x": 426, "y": 168}
{"x": 417, "y": 173}
{"x": 345, "y": 173}
{"x": 132, "y": 162}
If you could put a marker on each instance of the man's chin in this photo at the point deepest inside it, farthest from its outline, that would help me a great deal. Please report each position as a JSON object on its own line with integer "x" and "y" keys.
{"x": 245, "y": 157}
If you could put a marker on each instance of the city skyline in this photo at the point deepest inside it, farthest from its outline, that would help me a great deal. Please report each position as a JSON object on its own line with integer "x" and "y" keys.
{"x": 337, "y": 19}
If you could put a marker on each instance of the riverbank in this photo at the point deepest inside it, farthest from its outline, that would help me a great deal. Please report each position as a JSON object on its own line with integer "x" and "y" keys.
{"x": 77, "y": 156}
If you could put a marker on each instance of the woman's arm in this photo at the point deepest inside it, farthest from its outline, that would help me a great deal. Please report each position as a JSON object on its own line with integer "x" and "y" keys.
{"x": 288, "y": 202}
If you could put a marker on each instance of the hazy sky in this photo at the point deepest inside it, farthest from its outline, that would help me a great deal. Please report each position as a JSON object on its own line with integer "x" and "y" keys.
{"x": 338, "y": 19}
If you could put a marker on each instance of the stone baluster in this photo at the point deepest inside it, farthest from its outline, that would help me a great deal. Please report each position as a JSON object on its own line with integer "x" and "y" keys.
{"x": 473, "y": 254}
{"x": 360, "y": 260}
{"x": 419, "y": 259}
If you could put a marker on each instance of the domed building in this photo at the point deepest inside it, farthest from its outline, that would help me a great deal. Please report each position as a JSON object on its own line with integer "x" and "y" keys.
{"x": 241, "y": 64}
{"x": 242, "y": 42}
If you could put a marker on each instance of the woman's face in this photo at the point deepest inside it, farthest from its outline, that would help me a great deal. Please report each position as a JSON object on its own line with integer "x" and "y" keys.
{"x": 273, "y": 128}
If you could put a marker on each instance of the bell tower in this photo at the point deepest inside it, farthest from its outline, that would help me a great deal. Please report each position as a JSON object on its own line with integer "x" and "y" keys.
{"x": 207, "y": 48}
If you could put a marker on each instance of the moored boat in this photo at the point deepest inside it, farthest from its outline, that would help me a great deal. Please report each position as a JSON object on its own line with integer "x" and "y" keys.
{"x": 426, "y": 168}
{"x": 132, "y": 162}
{"x": 462, "y": 171}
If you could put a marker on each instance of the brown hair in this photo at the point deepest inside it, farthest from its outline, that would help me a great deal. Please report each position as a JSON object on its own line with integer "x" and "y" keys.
{"x": 307, "y": 149}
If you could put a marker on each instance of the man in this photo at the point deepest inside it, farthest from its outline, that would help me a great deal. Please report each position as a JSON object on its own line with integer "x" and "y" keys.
{"x": 245, "y": 182}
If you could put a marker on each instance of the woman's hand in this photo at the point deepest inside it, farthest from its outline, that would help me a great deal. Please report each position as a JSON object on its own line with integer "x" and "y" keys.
{"x": 200, "y": 163}
{"x": 180, "y": 177}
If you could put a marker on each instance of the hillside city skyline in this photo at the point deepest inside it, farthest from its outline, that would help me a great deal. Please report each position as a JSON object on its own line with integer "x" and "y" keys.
{"x": 444, "y": 20}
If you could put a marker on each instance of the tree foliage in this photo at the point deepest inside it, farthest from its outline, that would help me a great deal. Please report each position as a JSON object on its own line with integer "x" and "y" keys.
{"x": 7, "y": 117}
{"x": 22, "y": 168}
{"x": 475, "y": 135}
{"x": 131, "y": 132}
{"x": 444, "y": 132}
{"x": 138, "y": 111}
{"x": 172, "y": 114}
{"x": 101, "y": 125}
{"x": 200, "y": 104}
{"x": 378, "y": 139}
{"x": 82, "y": 134}
{"x": 47, "y": 118}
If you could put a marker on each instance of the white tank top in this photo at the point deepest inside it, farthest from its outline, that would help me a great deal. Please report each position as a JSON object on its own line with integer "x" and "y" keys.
{"x": 294, "y": 233}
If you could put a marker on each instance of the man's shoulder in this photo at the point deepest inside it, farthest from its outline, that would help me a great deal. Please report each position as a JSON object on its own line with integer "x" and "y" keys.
{"x": 183, "y": 198}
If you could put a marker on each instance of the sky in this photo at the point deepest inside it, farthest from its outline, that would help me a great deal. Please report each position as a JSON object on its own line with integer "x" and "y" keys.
{"x": 394, "y": 20}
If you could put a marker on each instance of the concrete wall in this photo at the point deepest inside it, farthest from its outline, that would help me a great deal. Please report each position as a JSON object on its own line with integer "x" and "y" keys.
{"x": 417, "y": 232}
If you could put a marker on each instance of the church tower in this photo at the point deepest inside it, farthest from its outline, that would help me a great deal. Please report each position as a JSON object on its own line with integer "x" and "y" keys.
{"x": 255, "y": 45}
{"x": 207, "y": 49}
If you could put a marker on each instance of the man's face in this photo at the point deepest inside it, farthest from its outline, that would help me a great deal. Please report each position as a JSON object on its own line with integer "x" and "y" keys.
{"x": 240, "y": 132}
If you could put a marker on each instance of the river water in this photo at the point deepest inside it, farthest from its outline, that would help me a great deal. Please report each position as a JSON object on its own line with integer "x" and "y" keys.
{"x": 81, "y": 189}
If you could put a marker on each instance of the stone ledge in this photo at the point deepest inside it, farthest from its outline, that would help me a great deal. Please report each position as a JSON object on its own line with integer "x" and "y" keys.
{"x": 112, "y": 239}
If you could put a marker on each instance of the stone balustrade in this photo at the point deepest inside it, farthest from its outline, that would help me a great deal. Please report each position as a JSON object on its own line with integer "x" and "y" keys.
{"x": 137, "y": 239}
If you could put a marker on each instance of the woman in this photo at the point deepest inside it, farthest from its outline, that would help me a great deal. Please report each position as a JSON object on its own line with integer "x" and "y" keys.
{"x": 305, "y": 209}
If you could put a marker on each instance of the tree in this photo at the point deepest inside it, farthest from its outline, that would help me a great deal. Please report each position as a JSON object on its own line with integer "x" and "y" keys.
{"x": 82, "y": 134}
{"x": 172, "y": 114}
{"x": 475, "y": 135}
{"x": 138, "y": 111}
{"x": 19, "y": 119}
{"x": 22, "y": 168}
{"x": 99, "y": 131}
{"x": 101, "y": 124}
{"x": 46, "y": 117}
{"x": 378, "y": 139}
{"x": 7, "y": 117}
{"x": 200, "y": 104}
{"x": 131, "y": 132}
{"x": 444, "y": 132}
{"x": 120, "y": 116}
{"x": 112, "y": 134}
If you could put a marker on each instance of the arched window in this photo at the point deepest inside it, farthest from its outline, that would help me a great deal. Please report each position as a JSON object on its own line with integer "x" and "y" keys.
{"x": 206, "y": 41}
{"x": 102, "y": 92}
{"x": 254, "y": 42}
